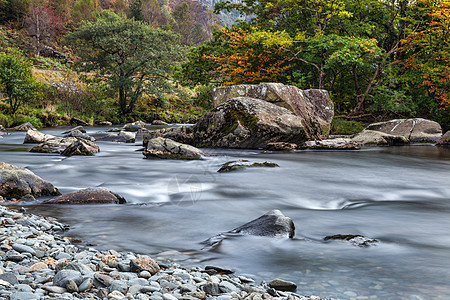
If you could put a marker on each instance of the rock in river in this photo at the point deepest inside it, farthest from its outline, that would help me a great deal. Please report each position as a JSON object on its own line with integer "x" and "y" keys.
{"x": 372, "y": 137}
{"x": 248, "y": 123}
{"x": 271, "y": 224}
{"x": 167, "y": 149}
{"x": 354, "y": 239}
{"x": 121, "y": 137}
{"x": 23, "y": 127}
{"x": 241, "y": 164}
{"x": 88, "y": 196}
{"x": 416, "y": 130}
{"x": 36, "y": 137}
{"x": 81, "y": 147}
{"x": 313, "y": 106}
{"x": 16, "y": 182}
{"x": 445, "y": 140}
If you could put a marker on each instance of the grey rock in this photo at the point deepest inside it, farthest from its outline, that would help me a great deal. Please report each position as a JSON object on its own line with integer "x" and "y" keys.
{"x": 37, "y": 137}
{"x": 144, "y": 263}
{"x": 159, "y": 122}
{"x": 71, "y": 286}
{"x": 314, "y": 106}
{"x": 24, "y": 248}
{"x": 27, "y": 198}
{"x": 283, "y": 285}
{"x": 243, "y": 164}
{"x": 135, "y": 289}
{"x": 180, "y": 134}
{"x": 76, "y": 128}
{"x": 122, "y": 137}
{"x": 62, "y": 255}
{"x": 24, "y": 296}
{"x": 377, "y": 138}
{"x": 228, "y": 287}
{"x": 88, "y": 196}
{"x": 211, "y": 289}
{"x": 163, "y": 148}
{"x": 78, "y": 134}
{"x": 103, "y": 279}
{"x": 9, "y": 277}
{"x": 445, "y": 140}
{"x": 16, "y": 182}
{"x": 24, "y": 288}
{"x": 118, "y": 285}
{"x": 188, "y": 288}
{"x": 55, "y": 145}
{"x": 86, "y": 285}
{"x": 54, "y": 289}
{"x": 333, "y": 144}
{"x": 357, "y": 240}
{"x": 169, "y": 297}
{"x": 23, "y": 127}
{"x": 63, "y": 276}
{"x": 81, "y": 147}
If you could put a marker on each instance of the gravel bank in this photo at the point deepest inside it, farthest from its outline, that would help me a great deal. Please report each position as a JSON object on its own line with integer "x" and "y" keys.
{"x": 37, "y": 263}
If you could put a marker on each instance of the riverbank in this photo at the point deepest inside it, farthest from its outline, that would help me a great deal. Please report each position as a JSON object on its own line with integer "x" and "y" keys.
{"x": 37, "y": 262}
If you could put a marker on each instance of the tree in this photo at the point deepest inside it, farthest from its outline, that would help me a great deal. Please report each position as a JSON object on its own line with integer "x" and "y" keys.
{"x": 84, "y": 10}
{"x": 16, "y": 82}
{"x": 43, "y": 25}
{"x": 129, "y": 55}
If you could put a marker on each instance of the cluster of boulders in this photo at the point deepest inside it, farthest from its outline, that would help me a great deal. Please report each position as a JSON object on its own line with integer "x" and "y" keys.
{"x": 36, "y": 263}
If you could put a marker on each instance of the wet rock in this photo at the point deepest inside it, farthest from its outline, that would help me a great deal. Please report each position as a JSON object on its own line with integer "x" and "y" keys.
{"x": 104, "y": 123}
{"x": 377, "y": 138}
{"x": 144, "y": 263}
{"x": 54, "y": 145}
{"x": 242, "y": 164}
{"x": 16, "y": 182}
{"x": 63, "y": 276}
{"x": 271, "y": 224}
{"x": 283, "y": 285}
{"x": 248, "y": 123}
{"x": 333, "y": 144}
{"x": 23, "y": 127}
{"x": 121, "y": 137}
{"x": 77, "y": 128}
{"x": 416, "y": 130}
{"x": 80, "y": 135}
{"x": 167, "y": 149}
{"x": 314, "y": 106}
{"x": 212, "y": 270}
{"x": 281, "y": 146}
{"x": 181, "y": 134}
{"x": 81, "y": 147}
{"x": 445, "y": 140}
{"x": 27, "y": 198}
{"x": 79, "y": 122}
{"x": 159, "y": 122}
{"x": 36, "y": 137}
{"x": 96, "y": 195}
{"x": 357, "y": 240}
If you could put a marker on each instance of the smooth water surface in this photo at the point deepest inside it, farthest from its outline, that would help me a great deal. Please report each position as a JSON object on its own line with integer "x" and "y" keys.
{"x": 399, "y": 196}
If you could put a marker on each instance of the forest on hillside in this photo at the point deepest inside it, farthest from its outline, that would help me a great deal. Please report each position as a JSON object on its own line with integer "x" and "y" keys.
{"x": 120, "y": 60}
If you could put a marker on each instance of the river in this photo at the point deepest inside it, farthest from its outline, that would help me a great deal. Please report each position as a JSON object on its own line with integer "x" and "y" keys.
{"x": 397, "y": 195}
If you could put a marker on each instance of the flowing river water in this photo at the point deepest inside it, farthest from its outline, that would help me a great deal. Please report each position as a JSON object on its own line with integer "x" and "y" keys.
{"x": 397, "y": 195}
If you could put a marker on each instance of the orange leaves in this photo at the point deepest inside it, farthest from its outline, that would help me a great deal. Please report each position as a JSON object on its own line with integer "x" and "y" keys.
{"x": 248, "y": 61}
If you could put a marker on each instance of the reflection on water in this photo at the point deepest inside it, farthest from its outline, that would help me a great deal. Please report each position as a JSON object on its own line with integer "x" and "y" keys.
{"x": 399, "y": 196}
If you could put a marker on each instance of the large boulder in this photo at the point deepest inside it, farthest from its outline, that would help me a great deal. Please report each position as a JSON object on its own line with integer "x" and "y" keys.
{"x": 445, "y": 140}
{"x": 271, "y": 224}
{"x": 416, "y": 130}
{"x": 121, "y": 137}
{"x": 81, "y": 147}
{"x": 180, "y": 134}
{"x": 378, "y": 138}
{"x": 16, "y": 182}
{"x": 167, "y": 149}
{"x": 314, "y": 106}
{"x": 36, "y": 137}
{"x": 95, "y": 195}
{"x": 248, "y": 123}
{"x": 333, "y": 144}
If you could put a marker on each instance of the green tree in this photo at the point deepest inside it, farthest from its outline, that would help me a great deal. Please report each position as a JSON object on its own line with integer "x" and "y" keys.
{"x": 129, "y": 55}
{"x": 16, "y": 82}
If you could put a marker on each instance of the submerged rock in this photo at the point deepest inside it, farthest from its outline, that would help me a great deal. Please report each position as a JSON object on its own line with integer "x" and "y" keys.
{"x": 167, "y": 149}
{"x": 445, "y": 140}
{"x": 121, "y": 137}
{"x": 240, "y": 164}
{"x": 88, "y": 196}
{"x": 313, "y": 106}
{"x": 371, "y": 137}
{"x": 248, "y": 123}
{"x": 16, "y": 182}
{"x": 357, "y": 240}
{"x": 271, "y": 224}
{"x": 416, "y": 130}
{"x": 333, "y": 144}
{"x": 81, "y": 147}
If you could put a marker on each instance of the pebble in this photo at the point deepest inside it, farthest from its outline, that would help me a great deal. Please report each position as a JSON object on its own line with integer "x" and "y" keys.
{"x": 37, "y": 263}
